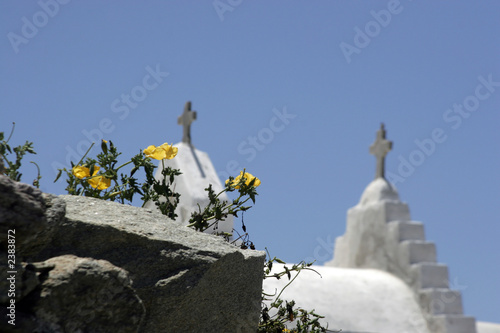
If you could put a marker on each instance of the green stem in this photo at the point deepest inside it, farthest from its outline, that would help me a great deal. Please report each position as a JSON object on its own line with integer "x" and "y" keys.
{"x": 124, "y": 164}
{"x": 282, "y": 290}
{"x": 11, "y": 132}
{"x": 38, "y": 176}
{"x": 85, "y": 153}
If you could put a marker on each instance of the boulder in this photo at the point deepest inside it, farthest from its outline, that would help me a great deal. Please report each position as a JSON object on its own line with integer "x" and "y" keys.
{"x": 71, "y": 294}
{"x": 189, "y": 281}
{"x": 86, "y": 295}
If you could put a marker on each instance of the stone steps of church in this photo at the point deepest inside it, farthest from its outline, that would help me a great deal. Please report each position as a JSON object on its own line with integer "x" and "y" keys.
{"x": 418, "y": 251}
{"x": 453, "y": 324}
{"x": 430, "y": 275}
{"x": 441, "y": 301}
{"x": 407, "y": 230}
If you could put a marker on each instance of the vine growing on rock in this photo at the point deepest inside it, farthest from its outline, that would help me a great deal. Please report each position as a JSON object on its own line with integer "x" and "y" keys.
{"x": 103, "y": 177}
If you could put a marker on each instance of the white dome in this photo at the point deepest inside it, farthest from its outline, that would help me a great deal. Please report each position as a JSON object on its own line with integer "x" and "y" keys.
{"x": 379, "y": 190}
{"x": 358, "y": 300}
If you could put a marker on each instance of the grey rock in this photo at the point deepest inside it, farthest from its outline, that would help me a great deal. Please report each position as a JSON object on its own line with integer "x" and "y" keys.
{"x": 72, "y": 294}
{"x": 32, "y": 215}
{"x": 24, "y": 282}
{"x": 20, "y": 284}
{"x": 189, "y": 281}
{"x": 86, "y": 295}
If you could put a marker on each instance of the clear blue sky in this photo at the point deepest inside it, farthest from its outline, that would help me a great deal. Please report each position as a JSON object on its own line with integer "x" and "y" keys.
{"x": 332, "y": 71}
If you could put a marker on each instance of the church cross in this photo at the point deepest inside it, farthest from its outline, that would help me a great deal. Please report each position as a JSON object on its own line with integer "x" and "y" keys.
{"x": 380, "y": 148}
{"x": 185, "y": 120}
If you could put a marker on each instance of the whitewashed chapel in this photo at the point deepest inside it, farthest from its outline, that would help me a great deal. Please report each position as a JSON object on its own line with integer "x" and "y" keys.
{"x": 384, "y": 277}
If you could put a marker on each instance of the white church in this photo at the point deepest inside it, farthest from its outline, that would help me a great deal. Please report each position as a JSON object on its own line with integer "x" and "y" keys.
{"x": 383, "y": 278}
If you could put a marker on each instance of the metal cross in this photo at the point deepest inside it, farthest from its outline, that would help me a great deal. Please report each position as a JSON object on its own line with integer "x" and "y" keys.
{"x": 380, "y": 148}
{"x": 185, "y": 120}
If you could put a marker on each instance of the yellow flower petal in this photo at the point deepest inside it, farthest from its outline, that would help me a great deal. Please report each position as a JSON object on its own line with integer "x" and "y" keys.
{"x": 165, "y": 151}
{"x": 248, "y": 178}
{"x": 170, "y": 152}
{"x": 104, "y": 184}
{"x": 96, "y": 168}
{"x": 81, "y": 172}
{"x": 155, "y": 152}
{"x": 100, "y": 182}
{"x": 149, "y": 151}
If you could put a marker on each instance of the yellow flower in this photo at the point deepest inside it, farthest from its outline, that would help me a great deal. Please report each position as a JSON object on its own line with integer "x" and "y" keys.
{"x": 100, "y": 182}
{"x": 81, "y": 172}
{"x": 165, "y": 151}
{"x": 248, "y": 178}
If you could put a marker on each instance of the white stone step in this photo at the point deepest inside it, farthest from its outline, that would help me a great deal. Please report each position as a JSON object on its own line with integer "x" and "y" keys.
{"x": 453, "y": 324}
{"x": 407, "y": 230}
{"x": 418, "y": 251}
{"x": 430, "y": 275}
{"x": 441, "y": 301}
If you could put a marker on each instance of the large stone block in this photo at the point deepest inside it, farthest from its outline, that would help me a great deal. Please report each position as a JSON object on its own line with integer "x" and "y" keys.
{"x": 441, "y": 301}
{"x": 71, "y": 294}
{"x": 453, "y": 324}
{"x": 86, "y": 294}
{"x": 430, "y": 275}
{"x": 418, "y": 251}
{"x": 189, "y": 281}
{"x": 408, "y": 230}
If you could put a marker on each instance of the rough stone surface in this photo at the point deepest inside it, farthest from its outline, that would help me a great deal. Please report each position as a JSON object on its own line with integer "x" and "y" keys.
{"x": 84, "y": 294}
{"x": 32, "y": 214}
{"x": 188, "y": 281}
{"x": 71, "y": 294}
{"x": 25, "y": 281}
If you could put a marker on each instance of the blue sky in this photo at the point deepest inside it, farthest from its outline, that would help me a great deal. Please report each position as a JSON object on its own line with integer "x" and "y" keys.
{"x": 295, "y": 93}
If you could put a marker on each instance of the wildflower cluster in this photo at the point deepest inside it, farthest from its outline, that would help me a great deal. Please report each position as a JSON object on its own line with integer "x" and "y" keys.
{"x": 218, "y": 210}
{"x": 103, "y": 178}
